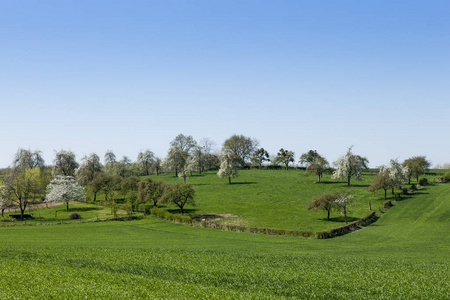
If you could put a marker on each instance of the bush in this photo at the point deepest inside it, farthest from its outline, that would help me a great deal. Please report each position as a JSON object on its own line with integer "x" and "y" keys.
{"x": 413, "y": 187}
{"x": 405, "y": 191}
{"x": 423, "y": 181}
{"x": 74, "y": 216}
{"x": 447, "y": 176}
{"x": 387, "y": 204}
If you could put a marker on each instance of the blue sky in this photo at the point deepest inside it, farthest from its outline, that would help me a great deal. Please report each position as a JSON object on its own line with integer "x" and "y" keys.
{"x": 130, "y": 75}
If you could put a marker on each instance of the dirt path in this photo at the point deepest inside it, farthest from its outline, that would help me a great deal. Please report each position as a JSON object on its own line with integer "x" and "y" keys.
{"x": 34, "y": 206}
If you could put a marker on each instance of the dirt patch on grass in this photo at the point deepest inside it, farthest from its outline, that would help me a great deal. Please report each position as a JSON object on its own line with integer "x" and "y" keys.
{"x": 225, "y": 219}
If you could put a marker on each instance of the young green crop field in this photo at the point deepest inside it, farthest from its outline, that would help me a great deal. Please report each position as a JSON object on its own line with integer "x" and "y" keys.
{"x": 405, "y": 254}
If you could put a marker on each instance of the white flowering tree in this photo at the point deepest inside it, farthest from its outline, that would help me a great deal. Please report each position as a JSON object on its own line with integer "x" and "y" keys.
{"x": 343, "y": 202}
{"x": 64, "y": 189}
{"x": 398, "y": 173}
{"x": 228, "y": 167}
{"x": 350, "y": 165}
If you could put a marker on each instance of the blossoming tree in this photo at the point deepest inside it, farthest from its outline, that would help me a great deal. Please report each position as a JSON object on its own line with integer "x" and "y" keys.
{"x": 64, "y": 189}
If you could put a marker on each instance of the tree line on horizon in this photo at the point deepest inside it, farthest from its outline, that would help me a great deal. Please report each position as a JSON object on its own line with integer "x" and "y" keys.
{"x": 28, "y": 176}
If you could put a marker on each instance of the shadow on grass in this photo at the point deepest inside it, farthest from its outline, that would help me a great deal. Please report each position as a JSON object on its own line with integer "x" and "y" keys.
{"x": 185, "y": 211}
{"x": 340, "y": 219}
{"x": 243, "y": 182}
{"x": 78, "y": 209}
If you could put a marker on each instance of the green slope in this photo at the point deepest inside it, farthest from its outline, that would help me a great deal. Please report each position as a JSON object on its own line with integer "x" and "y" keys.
{"x": 405, "y": 254}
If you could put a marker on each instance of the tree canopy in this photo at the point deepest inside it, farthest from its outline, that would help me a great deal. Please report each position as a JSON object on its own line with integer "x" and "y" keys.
{"x": 350, "y": 165}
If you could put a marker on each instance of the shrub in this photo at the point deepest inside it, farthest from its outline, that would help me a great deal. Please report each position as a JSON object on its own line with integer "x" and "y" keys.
{"x": 423, "y": 181}
{"x": 387, "y": 204}
{"x": 74, "y": 216}
{"x": 405, "y": 191}
{"x": 447, "y": 176}
{"x": 413, "y": 187}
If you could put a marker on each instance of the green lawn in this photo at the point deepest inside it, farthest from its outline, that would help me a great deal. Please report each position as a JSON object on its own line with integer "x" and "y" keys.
{"x": 405, "y": 254}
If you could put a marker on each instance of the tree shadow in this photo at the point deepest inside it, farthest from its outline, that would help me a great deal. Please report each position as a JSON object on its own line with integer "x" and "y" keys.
{"x": 340, "y": 219}
{"x": 77, "y": 209}
{"x": 185, "y": 211}
{"x": 360, "y": 185}
{"x": 243, "y": 182}
{"x": 330, "y": 182}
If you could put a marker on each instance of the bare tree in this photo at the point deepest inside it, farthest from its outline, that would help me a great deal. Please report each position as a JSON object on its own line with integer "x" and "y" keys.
{"x": 65, "y": 163}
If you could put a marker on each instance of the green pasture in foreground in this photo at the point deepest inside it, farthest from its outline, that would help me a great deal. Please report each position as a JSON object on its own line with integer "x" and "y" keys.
{"x": 404, "y": 255}
{"x": 276, "y": 198}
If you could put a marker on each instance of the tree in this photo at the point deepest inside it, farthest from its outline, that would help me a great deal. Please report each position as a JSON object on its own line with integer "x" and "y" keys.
{"x": 397, "y": 173}
{"x": 145, "y": 160}
{"x": 315, "y": 163}
{"x": 64, "y": 189}
{"x": 179, "y": 194}
{"x": 382, "y": 181}
{"x": 228, "y": 167}
{"x": 343, "y": 201}
{"x": 183, "y": 143}
{"x": 350, "y": 165}
{"x": 26, "y": 159}
{"x": 21, "y": 183}
{"x": 150, "y": 190}
{"x": 242, "y": 147}
{"x": 98, "y": 183}
{"x": 110, "y": 158}
{"x": 416, "y": 166}
{"x": 211, "y": 161}
{"x": 326, "y": 202}
{"x": 89, "y": 166}
{"x": 284, "y": 157}
{"x": 260, "y": 156}
{"x": 129, "y": 190}
{"x": 176, "y": 159}
{"x": 197, "y": 160}
{"x": 157, "y": 165}
{"x": 65, "y": 163}
{"x": 5, "y": 199}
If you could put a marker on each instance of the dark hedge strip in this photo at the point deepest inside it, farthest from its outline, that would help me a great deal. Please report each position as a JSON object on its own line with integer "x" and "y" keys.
{"x": 324, "y": 234}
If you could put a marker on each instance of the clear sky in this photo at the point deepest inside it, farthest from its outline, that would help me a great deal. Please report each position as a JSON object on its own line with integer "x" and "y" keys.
{"x": 88, "y": 76}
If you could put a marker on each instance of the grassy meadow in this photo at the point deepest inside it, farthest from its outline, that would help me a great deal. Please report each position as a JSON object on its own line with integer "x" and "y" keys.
{"x": 276, "y": 198}
{"x": 405, "y": 254}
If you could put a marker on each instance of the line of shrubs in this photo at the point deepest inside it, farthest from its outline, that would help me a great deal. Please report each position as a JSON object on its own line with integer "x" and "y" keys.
{"x": 324, "y": 234}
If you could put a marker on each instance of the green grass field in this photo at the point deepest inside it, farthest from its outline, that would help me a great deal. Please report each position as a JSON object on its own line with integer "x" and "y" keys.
{"x": 405, "y": 254}
{"x": 276, "y": 198}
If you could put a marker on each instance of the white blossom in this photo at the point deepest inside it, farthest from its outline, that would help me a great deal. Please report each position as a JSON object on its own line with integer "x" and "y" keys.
{"x": 64, "y": 189}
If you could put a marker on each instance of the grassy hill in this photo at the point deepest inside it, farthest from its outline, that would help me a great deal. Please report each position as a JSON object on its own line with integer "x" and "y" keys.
{"x": 405, "y": 254}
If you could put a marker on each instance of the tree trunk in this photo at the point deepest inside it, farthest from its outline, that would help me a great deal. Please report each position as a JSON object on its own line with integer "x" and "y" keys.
{"x": 345, "y": 213}
{"x": 229, "y": 180}
{"x": 385, "y": 192}
{"x": 176, "y": 172}
{"x": 348, "y": 181}
{"x": 409, "y": 180}
{"x": 67, "y": 205}
{"x": 95, "y": 196}
{"x": 319, "y": 178}
{"x": 184, "y": 177}
{"x": 328, "y": 217}
{"x": 157, "y": 171}
{"x": 181, "y": 208}
{"x": 392, "y": 191}
{"x": 417, "y": 178}
{"x": 370, "y": 205}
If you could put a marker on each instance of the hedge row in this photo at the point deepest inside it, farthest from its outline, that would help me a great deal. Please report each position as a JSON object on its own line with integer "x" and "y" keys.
{"x": 324, "y": 234}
